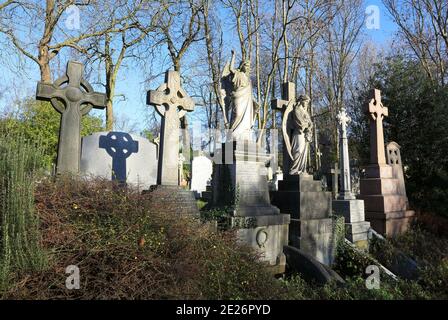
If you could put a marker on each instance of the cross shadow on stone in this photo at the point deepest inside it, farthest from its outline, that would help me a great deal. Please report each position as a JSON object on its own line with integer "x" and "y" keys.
{"x": 120, "y": 146}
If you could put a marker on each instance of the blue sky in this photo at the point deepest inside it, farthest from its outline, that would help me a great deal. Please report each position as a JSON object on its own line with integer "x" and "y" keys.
{"x": 131, "y": 80}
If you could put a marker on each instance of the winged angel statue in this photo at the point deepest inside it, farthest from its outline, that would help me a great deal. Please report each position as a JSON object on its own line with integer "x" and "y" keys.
{"x": 237, "y": 92}
{"x": 297, "y": 132}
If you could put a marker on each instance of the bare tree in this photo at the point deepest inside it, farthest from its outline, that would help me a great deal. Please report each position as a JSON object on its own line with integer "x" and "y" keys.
{"x": 423, "y": 25}
{"x": 111, "y": 49}
{"x": 54, "y": 36}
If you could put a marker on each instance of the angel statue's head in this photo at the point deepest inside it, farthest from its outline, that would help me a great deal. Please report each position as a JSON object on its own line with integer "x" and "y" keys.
{"x": 245, "y": 66}
{"x": 304, "y": 100}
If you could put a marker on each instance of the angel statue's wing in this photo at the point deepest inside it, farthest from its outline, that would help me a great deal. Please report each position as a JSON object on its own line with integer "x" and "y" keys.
{"x": 286, "y": 137}
{"x": 226, "y": 86}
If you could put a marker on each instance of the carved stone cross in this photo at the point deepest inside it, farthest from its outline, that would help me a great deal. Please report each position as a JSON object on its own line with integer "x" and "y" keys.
{"x": 335, "y": 179}
{"x": 345, "y": 192}
{"x": 120, "y": 146}
{"x": 377, "y": 112}
{"x": 288, "y": 95}
{"x": 172, "y": 103}
{"x": 73, "y": 97}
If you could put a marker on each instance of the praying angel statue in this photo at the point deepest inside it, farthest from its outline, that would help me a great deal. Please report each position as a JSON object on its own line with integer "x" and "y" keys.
{"x": 297, "y": 132}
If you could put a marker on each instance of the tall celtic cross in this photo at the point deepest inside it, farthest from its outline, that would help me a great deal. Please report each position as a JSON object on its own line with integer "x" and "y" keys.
{"x": 172, "y": 103}
{"x": 345, "y": 192}
{"x": 377, "y": 112}
{"x": 288, "y": 95}
{"x": 73, "y": 97}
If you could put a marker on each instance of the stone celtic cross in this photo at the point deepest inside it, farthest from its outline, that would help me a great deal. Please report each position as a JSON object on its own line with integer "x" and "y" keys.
{"x": 288, "y": 95}
{"x": 73, "y": 97}
{"x": 377, "y": 112}
{"x": 120, "y": 146}
{"x": 172, "y": 103}
{"x": 345, "y": 192}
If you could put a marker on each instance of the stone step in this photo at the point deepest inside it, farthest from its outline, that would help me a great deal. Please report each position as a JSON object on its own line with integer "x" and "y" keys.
{"x": 384, "y": 203}
{"x": 376, "y": 186}
{"x": 303, "y": 205}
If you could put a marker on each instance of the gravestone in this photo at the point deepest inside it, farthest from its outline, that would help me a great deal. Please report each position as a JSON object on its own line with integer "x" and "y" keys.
{"x": 335, "y": 172}
{"x": 394, "y": 159}
{"x": 385, "y": 206}
{"x": 288, "y": 96}
{"x": 171, "y": 103}
{"x": 73, "y": 97}
{"x": 311, "y": 228}
{"x": 240, "y": 183}
{"x": 120, "y": 156}
{"x": 346, "y": 205}
{"x": 201, "y": 174}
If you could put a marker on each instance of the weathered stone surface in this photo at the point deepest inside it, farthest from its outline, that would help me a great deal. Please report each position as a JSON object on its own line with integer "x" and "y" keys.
{"x": 311, "y": 228}
{"x": 201, "y": 174}
{"x": 393, "y": 156}
{"x": 171, "y": 200}
{"x": 120, "y": 156}
{"x": 309, "y": 267}
{"x": 240, "y": 181}
{"x": 73, "y": 97}
{"x": 351, "y": 210}
{"x": 172, "y": 103}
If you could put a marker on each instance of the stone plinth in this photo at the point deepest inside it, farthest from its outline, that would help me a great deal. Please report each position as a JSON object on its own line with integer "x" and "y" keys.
{"x": 385, "y": 206}
{"x": 240, "y": 181}
{"x": 172, "y": 200}
{"x": 311, "y": 228}
{"x": 356, "y": 228}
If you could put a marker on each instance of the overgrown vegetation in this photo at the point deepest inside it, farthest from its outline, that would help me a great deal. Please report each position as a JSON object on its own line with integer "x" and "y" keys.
{"x": 125, "y": 252}
{"x": 20, "y": 250}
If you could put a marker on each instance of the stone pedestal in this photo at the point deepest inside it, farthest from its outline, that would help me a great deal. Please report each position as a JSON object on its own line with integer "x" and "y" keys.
{"x": 311, "y": 228}
{"x": 385, "y": 207}
{"x": 240, "y": 181}
{"x": 356, "y": 228}
{"x": 172, "y": 200}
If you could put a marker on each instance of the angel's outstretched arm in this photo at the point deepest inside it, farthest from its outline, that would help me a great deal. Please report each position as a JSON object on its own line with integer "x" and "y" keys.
{"x": 232, "y": 62}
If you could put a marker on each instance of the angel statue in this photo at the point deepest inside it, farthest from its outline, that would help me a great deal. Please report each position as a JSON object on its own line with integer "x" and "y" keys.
{"x": 237, "y": 93}
{"x": 297, "y": 132}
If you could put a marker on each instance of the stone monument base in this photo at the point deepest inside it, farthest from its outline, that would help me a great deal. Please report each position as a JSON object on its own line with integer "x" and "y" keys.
{"x": 267, "y": 235}
{"x": 385, "y": 208}
{"x": 172, "y": 200}
{"x": 240, "y": 182}
{"x": 356, "y": 228}
{"x": 311, "y": 228}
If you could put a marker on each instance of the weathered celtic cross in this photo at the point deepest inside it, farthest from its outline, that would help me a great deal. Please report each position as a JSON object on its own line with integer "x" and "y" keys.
{"x": 377, "y": 112}
{"x": 120, "y": 146}
{"x": 172, "y": 103}
{"x": 73, "y": 97}
{"x": 345, "y": 192}
{"x": 288, "y": 95}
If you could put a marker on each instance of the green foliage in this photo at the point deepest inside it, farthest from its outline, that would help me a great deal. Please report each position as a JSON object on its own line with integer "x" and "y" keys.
{"x": 19, "y": 235}
{"x": 147, "y": 134}
{"x": 39, "y": 121}
{"x": 418, "y": 121}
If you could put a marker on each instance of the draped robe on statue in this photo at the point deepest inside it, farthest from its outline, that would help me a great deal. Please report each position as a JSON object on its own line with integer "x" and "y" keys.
{"x": 242, "y": 107}
{"x": 300, "y": 126}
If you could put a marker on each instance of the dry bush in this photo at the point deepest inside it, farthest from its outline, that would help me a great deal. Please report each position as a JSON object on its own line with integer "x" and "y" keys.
{"x": 125, "y": 252}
